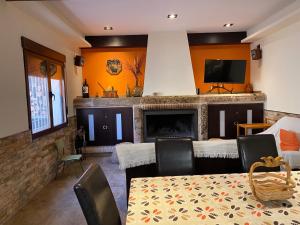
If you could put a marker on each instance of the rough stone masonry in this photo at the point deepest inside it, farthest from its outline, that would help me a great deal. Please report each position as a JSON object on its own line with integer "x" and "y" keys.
{"x": 27, "y": 166}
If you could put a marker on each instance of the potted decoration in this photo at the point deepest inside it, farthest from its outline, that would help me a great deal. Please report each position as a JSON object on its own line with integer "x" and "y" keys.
{"x": 135, "y": 68}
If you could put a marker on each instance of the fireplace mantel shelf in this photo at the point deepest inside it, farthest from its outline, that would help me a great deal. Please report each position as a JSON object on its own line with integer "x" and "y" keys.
{"x": 80, "y": 102}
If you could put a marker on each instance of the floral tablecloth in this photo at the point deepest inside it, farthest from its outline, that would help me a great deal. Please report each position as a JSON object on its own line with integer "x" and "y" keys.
{"x": 206, "y": 199}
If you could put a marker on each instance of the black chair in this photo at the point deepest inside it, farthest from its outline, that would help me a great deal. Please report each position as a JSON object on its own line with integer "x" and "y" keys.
{"x": 174, "y": 156}
{"x": 96, "y": 199}
{"x": 251, "y": 148}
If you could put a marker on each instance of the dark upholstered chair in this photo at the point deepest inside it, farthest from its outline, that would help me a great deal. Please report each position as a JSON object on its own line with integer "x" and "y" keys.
{"x": 96, "y": 199}
{"x": 252, "y": 148}
{"x": 174, "y": 156}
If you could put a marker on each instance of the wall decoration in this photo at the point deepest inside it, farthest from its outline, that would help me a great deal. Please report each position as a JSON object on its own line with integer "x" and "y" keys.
{"x": 94, "y": 69}
{"x": 135, "y": 69}
{"x": 109, "y": 92}
{"x": 113, "y": 66}
{"x": 43, "y": 67}
{"x": 52, "y": 68}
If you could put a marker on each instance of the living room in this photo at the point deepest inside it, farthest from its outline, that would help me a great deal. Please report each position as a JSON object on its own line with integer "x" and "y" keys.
{"x": 120, "y": 75}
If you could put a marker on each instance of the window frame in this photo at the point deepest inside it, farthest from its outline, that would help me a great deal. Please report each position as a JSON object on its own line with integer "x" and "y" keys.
{"x": 31, "y": 48}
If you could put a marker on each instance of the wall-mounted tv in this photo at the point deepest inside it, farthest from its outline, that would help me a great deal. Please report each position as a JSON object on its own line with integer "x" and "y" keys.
{"x": 225, "y": 71}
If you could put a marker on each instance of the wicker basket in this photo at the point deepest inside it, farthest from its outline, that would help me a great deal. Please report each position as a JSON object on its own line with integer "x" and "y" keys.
{"x": 271, "y": 186}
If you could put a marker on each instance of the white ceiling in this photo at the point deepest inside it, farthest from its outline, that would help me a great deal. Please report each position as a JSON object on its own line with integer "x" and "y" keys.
{"x": 145, "y": 16}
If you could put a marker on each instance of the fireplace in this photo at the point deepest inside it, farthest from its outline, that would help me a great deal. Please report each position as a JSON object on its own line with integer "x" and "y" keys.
{"x": 170, "y": 123}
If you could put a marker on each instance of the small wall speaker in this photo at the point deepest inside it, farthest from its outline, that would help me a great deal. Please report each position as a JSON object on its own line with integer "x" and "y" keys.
{"x": 256, "y": 53}
{"x": 78, "y": 60}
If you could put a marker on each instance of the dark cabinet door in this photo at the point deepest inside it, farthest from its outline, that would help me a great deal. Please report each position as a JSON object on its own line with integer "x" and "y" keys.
{"x": 86, "y": 119}
{"x": 235, "y": 114}
{"x": 106, "y": 126}
{"x": 223, "y": 118}
{"x": 257, "y": 115}
{"x": 123, "y": 118}
{"x": 214, "y": 114}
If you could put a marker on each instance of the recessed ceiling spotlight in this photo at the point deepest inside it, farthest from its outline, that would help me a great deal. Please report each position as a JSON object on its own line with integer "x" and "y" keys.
{"x": 108, "y": 28}
{"x": 228, "y": 25}
{"x": 172, "y": 16}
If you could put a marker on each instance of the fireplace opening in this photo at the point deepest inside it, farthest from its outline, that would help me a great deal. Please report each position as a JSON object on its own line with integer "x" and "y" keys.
{"x": 170, "y": 123}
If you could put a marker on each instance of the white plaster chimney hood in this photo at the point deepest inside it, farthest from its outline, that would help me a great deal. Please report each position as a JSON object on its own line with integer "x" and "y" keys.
{"x": 169, "y": 69}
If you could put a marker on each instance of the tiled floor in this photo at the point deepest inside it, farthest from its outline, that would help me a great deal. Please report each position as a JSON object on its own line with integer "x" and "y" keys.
{"x": 57, "y": 204}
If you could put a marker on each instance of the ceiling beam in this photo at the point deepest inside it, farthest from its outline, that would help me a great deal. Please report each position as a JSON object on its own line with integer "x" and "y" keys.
{"x": 216, "y": 38}
{"x": 132, "y": 41}
{"x": 122, "y": 41}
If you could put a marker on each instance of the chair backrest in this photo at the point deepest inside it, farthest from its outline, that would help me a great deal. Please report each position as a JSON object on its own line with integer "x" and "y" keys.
{"x": 251, "y": 148}
{"x": 174, "y": 156}
{"x": 60, "y": 147}
{"x": 96, "y": 199}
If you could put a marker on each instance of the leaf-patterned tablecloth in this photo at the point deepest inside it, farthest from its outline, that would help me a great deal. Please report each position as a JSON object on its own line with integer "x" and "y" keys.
{"x": 206, "y": 199}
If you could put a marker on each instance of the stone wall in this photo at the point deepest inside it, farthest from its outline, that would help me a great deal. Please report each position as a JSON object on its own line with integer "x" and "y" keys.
{"x": 273, "y": 116}
{"x": 27, "y": 166}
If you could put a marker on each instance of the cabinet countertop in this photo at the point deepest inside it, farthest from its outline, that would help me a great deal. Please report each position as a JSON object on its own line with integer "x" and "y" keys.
{"x": 80, "y": 102}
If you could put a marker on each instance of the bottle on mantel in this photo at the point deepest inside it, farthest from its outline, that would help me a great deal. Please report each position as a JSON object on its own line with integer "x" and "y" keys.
{"x": 85, "y": 89}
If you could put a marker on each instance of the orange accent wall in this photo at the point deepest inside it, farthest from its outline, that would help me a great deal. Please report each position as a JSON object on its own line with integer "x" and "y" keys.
{"x": 234, "y": 51}
{"x": 94, "y": 69}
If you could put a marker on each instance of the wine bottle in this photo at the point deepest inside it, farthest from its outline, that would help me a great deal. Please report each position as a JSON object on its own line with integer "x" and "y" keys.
{"x": 85, "y": 89}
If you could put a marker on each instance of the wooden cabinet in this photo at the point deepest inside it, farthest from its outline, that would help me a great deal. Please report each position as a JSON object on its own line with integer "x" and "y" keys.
{"x": 223, "y": 118}
{"x": 106, "y": 126}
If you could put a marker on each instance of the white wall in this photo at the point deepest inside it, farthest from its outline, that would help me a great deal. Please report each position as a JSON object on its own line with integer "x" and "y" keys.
{"x": 14, "y": 23}
{"x": 168, "y": 65}
{"x": 278, "y": 72}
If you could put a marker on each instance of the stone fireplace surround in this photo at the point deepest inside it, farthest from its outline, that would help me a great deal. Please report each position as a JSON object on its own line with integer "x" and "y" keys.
{"x": 170, "y": 123}
{"x": 199, "y": 102}
{"x": 138, "y": 116}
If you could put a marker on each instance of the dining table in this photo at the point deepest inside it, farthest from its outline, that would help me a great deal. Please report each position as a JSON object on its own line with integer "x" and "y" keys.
{"x": 207, "y": 199}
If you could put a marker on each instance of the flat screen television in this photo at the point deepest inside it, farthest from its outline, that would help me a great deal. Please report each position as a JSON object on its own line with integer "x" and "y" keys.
{"x": 225, "y": 71}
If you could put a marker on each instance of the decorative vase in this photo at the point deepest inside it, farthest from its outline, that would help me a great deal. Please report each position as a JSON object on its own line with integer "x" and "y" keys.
{"x": 137, "y": 91}
{"x": 135, "y": 69}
